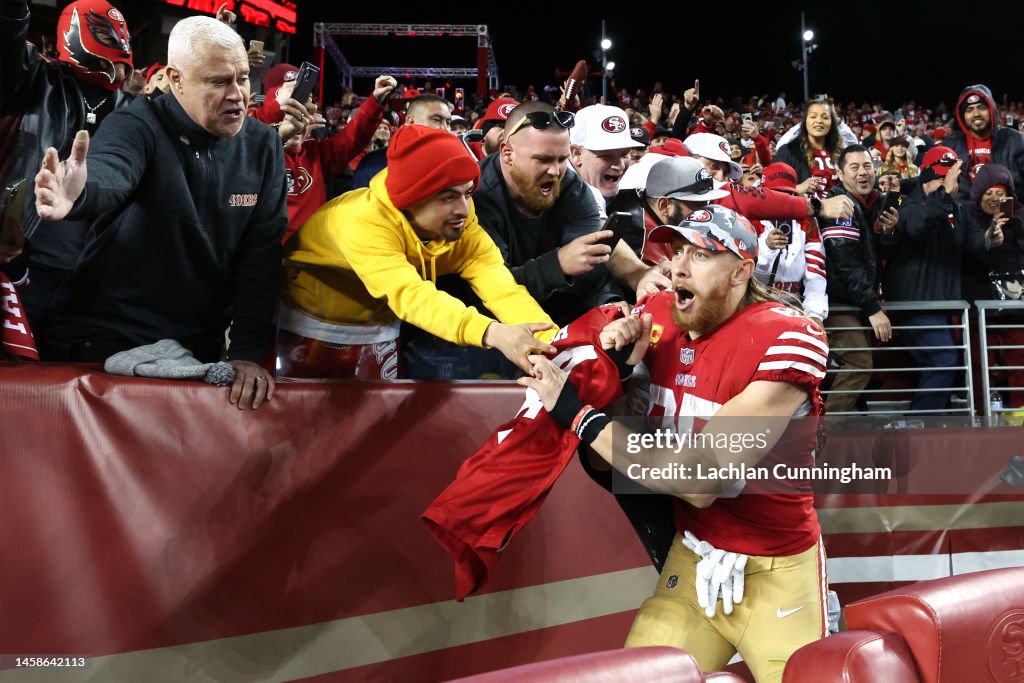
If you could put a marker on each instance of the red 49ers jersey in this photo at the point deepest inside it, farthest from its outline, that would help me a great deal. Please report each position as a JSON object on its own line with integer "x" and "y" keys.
{"x": 500, "y": 488}
{"x": 695, "y": 378}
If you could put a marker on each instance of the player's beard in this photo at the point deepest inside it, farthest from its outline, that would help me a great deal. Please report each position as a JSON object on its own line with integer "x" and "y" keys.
{"x": 705, "y": 313}
{"x": 529, "y": 191}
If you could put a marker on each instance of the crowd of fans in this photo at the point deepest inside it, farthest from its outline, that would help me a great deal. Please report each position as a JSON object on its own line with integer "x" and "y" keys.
{"x": 398, "y": 235}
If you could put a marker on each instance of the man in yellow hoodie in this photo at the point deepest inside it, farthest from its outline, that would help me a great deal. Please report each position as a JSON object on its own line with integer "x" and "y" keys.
{"x": 368, "y": 260}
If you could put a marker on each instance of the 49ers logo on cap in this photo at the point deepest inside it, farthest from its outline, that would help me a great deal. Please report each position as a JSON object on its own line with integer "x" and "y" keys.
{"x": 973, "y": 98}
{"x": 114, "y": 14}
{"x": 699, "y": 216}
{"x": 505, "y": 109}
{"x": 636, "y": 132}
{"x": 702, "y": 174}
{"x": 724, "y": 147}
{"x": 614, "y": 124}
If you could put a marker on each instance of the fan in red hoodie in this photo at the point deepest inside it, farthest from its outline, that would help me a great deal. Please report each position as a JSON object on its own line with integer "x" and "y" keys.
{"x": 308, "y": 160}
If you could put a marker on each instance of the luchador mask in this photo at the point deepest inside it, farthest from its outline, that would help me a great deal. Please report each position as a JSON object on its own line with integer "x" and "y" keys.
{"x": 92, "y": 36}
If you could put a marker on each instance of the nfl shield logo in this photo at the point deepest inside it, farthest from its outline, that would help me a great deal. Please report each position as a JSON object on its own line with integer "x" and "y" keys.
{"x": 672, "y": 582}
{"x": 686, "y": 356}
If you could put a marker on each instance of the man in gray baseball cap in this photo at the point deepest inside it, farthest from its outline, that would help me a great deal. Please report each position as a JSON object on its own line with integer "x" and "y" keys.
{"x": 675, "y": 188}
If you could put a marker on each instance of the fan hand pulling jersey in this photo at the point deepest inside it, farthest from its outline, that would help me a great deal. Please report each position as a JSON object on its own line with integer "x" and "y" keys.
{"x": 500, "y": 488}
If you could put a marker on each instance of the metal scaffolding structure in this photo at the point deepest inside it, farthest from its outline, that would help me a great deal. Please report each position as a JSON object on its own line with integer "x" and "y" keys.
{"x": 485, "y": 72}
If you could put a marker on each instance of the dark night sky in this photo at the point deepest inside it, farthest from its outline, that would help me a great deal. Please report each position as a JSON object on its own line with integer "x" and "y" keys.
{"x": 867, "y": 50}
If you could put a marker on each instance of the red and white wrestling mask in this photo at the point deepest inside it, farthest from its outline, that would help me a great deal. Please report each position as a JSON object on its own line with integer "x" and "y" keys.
{"x": 92, "y": 36}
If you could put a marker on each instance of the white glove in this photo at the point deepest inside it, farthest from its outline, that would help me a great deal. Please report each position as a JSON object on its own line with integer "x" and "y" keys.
{"x": 719, "y": 574}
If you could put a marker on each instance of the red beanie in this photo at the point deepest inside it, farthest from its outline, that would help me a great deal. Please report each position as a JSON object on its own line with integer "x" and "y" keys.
{"x": 423, "y": 161}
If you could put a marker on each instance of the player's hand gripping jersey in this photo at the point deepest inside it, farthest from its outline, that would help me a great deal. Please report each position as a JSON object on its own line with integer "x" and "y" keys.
{"x": 500, "y": 488}
{"x": 691, "y": 380}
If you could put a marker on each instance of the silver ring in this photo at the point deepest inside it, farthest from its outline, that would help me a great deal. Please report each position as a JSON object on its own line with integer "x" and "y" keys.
{"x": 259, "y": 379}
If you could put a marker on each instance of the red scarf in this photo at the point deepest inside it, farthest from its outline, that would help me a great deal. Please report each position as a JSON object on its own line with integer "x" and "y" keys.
{"x": 17, "y": 338}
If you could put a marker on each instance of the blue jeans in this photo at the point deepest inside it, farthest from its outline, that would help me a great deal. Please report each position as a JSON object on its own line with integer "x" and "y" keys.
{"x": 929, "y": 358}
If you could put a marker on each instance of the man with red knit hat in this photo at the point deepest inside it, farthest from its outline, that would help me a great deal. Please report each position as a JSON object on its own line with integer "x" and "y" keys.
{"x": 49, "y": 101}
{"x": 978, "y": 138}
{"x": 370, "y": 259}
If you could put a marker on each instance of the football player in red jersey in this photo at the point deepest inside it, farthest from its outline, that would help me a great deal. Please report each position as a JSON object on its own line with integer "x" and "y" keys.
{"x": 726, "y": 357}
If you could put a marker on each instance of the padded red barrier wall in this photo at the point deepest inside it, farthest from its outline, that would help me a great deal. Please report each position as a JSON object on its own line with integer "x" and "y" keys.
{"x": 151, "y": 524}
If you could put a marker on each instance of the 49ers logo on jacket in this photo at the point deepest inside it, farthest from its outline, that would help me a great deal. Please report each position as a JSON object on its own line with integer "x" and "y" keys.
{"x": 505, "y": 109}
{"x": 298, "y": 181}
{"x": 614, "y": 124}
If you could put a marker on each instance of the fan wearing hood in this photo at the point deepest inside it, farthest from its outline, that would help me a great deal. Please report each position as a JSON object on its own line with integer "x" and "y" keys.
{"x": 992, "y": 192}
{"x": 370, "y": 259}
{"x": 978, "y": 138}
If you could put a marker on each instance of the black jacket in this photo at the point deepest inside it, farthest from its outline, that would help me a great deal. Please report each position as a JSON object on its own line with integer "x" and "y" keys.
{"x": 185, "y": 237}
{"x": 852, "y": 252}
{"x": 530, "y": 245}
{"x": 790, "y": 154}
{"x": 1005, "y": 258}
{"x": 49, "y": 101}
{"x": 1007, "y": 143}
{"x": 931, "y": 238}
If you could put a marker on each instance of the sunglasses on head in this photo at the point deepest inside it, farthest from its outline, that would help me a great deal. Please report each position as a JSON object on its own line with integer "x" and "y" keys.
{"x": 702, "y": 186}
{"x": 544, "y": 119}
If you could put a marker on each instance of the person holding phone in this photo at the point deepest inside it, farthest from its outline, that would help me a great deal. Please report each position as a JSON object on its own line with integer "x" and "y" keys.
{"x": 310, "y": 161}
{"x": 999, "y": 274}
{"x": 925, "y": 258}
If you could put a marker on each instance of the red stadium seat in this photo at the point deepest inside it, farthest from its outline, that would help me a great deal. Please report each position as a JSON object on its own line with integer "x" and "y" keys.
{"x": 853, "y": 657}
{"x": 968, "y": 627}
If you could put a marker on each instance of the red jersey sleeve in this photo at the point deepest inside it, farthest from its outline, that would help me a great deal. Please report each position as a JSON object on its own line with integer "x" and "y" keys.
{"x": 796, "y": 351}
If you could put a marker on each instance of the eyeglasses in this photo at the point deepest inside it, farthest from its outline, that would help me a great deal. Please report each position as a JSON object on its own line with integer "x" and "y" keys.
{"x": 544, "y": 119}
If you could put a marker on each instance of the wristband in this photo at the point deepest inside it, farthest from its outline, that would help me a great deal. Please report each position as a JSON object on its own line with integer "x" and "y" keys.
{"x": 589, "y": 424}
{"x": 567, "y": 407}
{"x": 619, "y": 358}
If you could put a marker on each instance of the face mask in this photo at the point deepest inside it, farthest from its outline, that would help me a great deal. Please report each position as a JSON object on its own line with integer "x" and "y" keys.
{"x": 92, "y": 36}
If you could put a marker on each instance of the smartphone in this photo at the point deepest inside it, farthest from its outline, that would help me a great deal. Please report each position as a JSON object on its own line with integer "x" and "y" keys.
{"x": 891, "y": 200}
{"x": 746, "y": 117}
{"x": 305, "y": 82}
{"x": 255, "y": 46}
{"x": 617, "y": 222}
{"x": 1008, "y": 206}
{"x": 785, "y": 227}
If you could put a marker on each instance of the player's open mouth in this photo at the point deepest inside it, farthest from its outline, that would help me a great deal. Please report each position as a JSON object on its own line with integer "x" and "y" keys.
{"x": 684, "y": 298}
